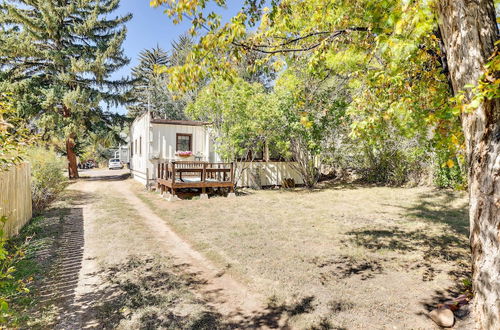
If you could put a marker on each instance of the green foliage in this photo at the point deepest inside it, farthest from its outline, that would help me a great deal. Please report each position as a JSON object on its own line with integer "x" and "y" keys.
{"x": 240, "y": 115}
{"x": 13, "y": 141}
{"x": 450, "y": 172}
{"x": 13, "y": 136}
{"x": 487, "y": 88}
{"x": 300, "y": 119}
{"x": 56, "y": 60}
{"x": 10, "y": 286}
{"x": 311, "y": 112}
{"x": 394, "y": 161}
{"x": 150, "y": 88}
{"x": 388, "y": 51}
{"x": 47, "y": 177}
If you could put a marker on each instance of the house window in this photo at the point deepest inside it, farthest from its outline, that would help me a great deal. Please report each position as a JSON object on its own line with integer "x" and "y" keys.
{"x": 184, "y": 142}
{"x": 140, "y": 145}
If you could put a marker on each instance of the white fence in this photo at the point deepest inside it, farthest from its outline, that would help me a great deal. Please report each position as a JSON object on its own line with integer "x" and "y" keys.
{"x": 15, "y": 197}
{"x": 259, "y": 174}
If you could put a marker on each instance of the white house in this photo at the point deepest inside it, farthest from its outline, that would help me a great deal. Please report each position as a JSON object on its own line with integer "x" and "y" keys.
{"x": 122, "y": 153}
{"x": 153, "y": 141}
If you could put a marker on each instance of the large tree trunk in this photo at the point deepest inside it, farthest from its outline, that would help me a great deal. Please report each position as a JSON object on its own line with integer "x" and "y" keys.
{"x": 469, "y": 32}
{"x": 70, "y": 152}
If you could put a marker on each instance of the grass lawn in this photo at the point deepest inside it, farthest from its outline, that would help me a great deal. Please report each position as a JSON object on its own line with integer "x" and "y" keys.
{"x": 134, "y": 285}
{"x": 352, "y": 256}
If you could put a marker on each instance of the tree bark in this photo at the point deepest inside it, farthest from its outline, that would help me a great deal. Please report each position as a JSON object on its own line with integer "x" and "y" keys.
{"x": 70, "y": 152}
{"x": 469, "y": 32}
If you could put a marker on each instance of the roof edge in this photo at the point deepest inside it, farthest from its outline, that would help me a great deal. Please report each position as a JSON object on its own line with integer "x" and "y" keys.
{"x": 178, "y": 122}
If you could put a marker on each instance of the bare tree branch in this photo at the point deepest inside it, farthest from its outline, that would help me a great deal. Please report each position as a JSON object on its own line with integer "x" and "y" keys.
{"x": 330, "y": 35}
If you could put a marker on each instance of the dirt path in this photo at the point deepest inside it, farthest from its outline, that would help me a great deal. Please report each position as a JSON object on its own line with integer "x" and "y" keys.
{"x": 228, "y": 296}
{"x": 221, "y": 292}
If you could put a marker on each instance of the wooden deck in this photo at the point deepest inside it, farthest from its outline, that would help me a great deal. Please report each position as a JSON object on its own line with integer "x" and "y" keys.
{"x": 174, "y": 177}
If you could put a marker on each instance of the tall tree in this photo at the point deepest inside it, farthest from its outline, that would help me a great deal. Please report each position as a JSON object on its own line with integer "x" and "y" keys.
{"x": 383, "y": 35}
{"x": 57, "y": 58}
{"x": 149, "y": 87}
{"x": 181, "y": 48}
{"x": 150, "y": 90}
{"x": 470, "y": 31}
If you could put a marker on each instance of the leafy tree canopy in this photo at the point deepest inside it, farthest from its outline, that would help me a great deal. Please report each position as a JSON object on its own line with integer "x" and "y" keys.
{"x": 56, "y": 59}
{"x": 13, "y": 137}
{"x": 389, "y": 50}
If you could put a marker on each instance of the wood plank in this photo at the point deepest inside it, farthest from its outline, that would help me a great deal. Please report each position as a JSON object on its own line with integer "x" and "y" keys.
{"x": 209, "y": 184}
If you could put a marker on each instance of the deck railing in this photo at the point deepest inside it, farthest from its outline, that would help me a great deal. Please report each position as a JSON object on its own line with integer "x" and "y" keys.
{"x": 195, "y": 174}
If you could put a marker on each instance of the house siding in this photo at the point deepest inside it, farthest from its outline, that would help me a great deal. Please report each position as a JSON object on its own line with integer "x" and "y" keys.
{"x": 153, "y": 142}
{"x": 164, "y": 141}
{"x": 139, "y": 140}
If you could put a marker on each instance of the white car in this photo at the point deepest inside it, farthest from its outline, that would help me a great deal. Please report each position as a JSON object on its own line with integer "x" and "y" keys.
{"x": 114, "y": 164}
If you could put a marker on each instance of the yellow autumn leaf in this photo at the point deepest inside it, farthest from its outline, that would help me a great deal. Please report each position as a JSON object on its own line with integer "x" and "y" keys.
{"x": 450, "y": 163}
{"x": 304, "y": 121}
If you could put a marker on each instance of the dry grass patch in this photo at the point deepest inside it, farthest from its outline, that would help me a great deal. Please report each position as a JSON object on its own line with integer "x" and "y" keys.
{"x": 362, "y": 256}
{"x": 140, "y": 285}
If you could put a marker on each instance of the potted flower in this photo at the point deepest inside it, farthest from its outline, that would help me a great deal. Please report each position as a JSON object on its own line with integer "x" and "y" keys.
{"x": 184, "y": 154}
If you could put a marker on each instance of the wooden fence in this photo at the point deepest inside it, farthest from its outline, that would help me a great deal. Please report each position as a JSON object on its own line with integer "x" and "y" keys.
{"x": 260, "y": 174}
{"x": 15, "y": 197}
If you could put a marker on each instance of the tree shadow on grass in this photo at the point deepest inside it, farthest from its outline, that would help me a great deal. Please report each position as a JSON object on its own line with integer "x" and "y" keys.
{"x": 55, "y": 252}
{"x": 439, "y": 207}
{"x": 450, "y": 245}
{"x": 146, "y": 294}
{"x": 342, "y": 267}
{"x": 333, "y": 185}
{"x": 451, "y": 209}
{"x": 445, "y": 247}
{"x": 117, "y": 177}
{"x": 442, "y": 207}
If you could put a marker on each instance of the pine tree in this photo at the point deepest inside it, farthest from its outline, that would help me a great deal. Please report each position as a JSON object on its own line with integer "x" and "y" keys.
{"x": 56, "y": 58}
{"x": 150, "y": 90}
{"x": 180, "y": 50}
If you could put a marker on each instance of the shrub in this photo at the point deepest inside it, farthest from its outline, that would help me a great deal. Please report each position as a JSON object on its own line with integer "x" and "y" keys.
{"x": 394, "y": 161}
{"x": 10, "y": 286}
{"x": 453, "y": 175}
{"x": 47, "y": 176}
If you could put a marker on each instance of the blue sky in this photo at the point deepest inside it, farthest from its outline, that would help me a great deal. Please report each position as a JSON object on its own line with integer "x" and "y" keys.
{"x": 150, "y": 27}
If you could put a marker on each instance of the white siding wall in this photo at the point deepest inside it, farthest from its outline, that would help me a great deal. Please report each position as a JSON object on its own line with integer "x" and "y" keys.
{"x": 139, "y": 137}
{"x": 164, "y": 140}
{"x": 159, "y": 145}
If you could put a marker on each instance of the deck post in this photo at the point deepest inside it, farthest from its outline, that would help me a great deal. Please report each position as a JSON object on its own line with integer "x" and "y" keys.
{"x": 204, "y": 173}
{"x": 173, "y": 196}
{"x": 158, "y": 186}
{"x": 173, "y": 174}
{"x": 204, "y": 194}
